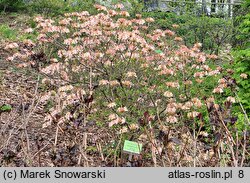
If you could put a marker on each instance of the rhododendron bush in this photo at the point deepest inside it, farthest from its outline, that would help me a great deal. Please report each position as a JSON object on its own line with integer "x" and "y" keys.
{"x": 141, "y": 85}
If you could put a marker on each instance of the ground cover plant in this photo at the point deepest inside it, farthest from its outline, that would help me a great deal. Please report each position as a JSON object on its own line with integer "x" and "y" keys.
{"x": 108, "y": 77}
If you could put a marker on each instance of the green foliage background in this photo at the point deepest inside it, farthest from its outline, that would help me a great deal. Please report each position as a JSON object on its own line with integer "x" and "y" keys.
{"x": 242, "y": 56}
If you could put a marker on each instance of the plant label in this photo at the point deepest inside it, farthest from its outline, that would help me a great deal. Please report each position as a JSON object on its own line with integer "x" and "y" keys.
{"x": 158, "y": 51}
{"x": 132, "y": 147}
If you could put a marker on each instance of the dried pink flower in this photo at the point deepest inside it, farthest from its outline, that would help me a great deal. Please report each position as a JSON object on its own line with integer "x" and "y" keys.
{"x": 243, "y": 75}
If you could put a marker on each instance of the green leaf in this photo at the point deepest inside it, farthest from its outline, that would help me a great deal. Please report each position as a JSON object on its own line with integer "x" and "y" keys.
{"x": 5, "y": 108}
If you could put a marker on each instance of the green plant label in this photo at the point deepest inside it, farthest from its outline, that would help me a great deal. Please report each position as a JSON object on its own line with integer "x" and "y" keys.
{"x": 158, "y": 51}
{"x": 132, "y": 147}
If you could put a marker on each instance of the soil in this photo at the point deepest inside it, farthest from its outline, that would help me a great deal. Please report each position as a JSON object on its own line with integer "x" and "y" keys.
{"x": 23, "y": 141}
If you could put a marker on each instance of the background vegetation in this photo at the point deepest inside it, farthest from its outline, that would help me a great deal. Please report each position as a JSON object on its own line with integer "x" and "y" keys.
{"x": 242, "y": 55}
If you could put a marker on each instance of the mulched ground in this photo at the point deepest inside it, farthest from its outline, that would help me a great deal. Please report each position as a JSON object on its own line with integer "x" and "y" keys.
{"x": 23, "y": 141}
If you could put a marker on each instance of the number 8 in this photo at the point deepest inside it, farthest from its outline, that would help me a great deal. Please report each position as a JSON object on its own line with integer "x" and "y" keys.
{"x": 241, "y": 174}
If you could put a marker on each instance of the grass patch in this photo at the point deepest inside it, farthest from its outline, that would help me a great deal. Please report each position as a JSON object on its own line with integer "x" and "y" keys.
{"x": 8, "y": 33}
{"x": 11, "y": 34}
{"x": 12, "y": 27}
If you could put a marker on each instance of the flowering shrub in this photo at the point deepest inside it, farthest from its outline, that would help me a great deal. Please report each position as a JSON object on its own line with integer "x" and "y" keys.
{"x": 147, "y": 86}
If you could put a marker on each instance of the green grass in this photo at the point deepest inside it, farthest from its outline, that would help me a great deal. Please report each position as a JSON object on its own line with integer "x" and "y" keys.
{"x": 8, "y": 33}
{"x": 12, "y": 34}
